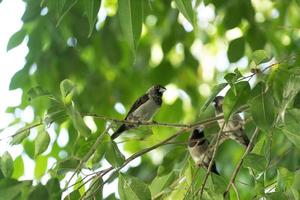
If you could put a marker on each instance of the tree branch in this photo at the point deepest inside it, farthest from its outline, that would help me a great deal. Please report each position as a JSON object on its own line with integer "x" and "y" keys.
{"x": 144, "y": 151}
{"x": 26, "y": 128}
{"x": 91, "y": 151}
{"x": 236, "y": 191}
{"x": 132, "y": 157}
{"x": 237, "y": 168}
{"x": 211, "y": 161}
{"x": 153, "y": 123}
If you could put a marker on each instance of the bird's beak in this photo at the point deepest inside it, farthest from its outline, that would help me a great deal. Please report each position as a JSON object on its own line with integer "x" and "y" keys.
{"x": 162, "y": 89}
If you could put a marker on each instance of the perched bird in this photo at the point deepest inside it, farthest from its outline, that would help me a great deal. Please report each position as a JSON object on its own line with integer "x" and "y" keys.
{"x": 200, "y": 151}
{"x": 235, "y": 123}
{"x": 143, "y": 109}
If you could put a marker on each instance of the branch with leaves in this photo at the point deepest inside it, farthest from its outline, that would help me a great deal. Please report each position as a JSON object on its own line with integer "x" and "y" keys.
{"x": 240, "y": 97}
{"x": 237, "y": 168}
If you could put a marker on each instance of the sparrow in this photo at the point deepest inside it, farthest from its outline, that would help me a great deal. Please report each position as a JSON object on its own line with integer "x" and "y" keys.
{"x": 200, "y": 150}
{"x": 235, "y": 123}
{"x": 143, "y": 109}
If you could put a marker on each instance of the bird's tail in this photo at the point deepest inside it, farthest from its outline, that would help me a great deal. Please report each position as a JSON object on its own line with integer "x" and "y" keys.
{"x": 214, "y": 169}
{"x": 243, "y": 138}
{"x": 118, "y": 132}
{"x": 246, "y": 140}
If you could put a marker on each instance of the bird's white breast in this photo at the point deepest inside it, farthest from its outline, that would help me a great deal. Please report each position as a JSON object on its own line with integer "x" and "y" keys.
{"x": 198, "y": 154}
{"x": 145, "y": 111}
{"x": 228, "y": 127}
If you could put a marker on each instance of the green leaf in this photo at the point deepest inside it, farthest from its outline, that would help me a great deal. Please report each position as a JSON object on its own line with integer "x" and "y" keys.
{"x": 233, "y": 16}
{"x": 260, "y": 56}
{"x": 286, "y": 85}
{"x": 96, "y": 188}
{"x": 285, "y": 179}
{"x": 92, "y": 8}
{"x": 186, "y": 8}
{"x": 113, "y": 155}
{"x": 7, "y": 165}
{"x": 297, "y": 101}
{"x": 161, "y": 182}
{"x": 63, "y": 7}
{"x": 75, "y": 195}
{"x": 291, "y": 127}
{"x": 19, "y": 137}
{"x": 260, "y": 185}
{"x": 233, "y": 102}
{"x": 40, "y": 167}
{"x": 236, "y": 49}
{"x": 101, "y": 149}
{"x": 132, "y": 188}
{"x": 130, "y": 13}
{"x": 67, "y": 89}
{"x": 41, "y": 142}
{"x": 18, "y": 167}
{"x": 67, "y": 165}
{"x": 238, "y": 73}
{"x": 56, "y": 112}
{"x": 39, "y": 192}
{"x": 276, "y": 196}
{"x": 291, "y": 88}
{"x": 53, "y": 188}
{"x": 13, "y": 189}
{"x": 78, "y": 121}
{"x": 279, "y": 80}
{"x": 262, "y": 110}
{"x": 111, "y": 197}
{"x": 16, "y": 39}
{"x": 215, "y": 91}
{"x": 77, "y": 186}
{"x": 219, "y": 183}
{"x": 255, "y": 37}
{"x": 258, "y": 88}
{"x": 83, "y": 146}
{"x": 37, "y": 92}
{"x": 259, "y": 145}
{"x": 255, "y": 161}
{"x": 231, "y": 78}
{"x": 29, "y": 148}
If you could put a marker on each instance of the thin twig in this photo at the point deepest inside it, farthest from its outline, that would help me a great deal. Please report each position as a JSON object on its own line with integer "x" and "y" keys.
{"x": 191, "y": 126}
{"x": 275, "y": 162}
{"x": 91, "y": 151}
{"x": 237, "y": 168}
{"x": 134, "y": 156}
{"x": 211, "y": 161}
{"x": 155, "y": 123}
{"x": 28, "y": 128}
{"x": 151, "y": 123}
{"x": 192, "y": 181}
{"x": 266, "y": 68}
{"x": 236, "y": 191}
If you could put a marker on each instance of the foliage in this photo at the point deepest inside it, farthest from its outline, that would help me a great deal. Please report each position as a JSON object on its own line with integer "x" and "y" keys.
{"x": 81, "y": 71}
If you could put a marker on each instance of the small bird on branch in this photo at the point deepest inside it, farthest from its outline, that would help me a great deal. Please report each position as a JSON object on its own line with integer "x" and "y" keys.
{"x": 143, "y": 109}
{"x": 200, "y": 150}
{"x": 234, "y": 129}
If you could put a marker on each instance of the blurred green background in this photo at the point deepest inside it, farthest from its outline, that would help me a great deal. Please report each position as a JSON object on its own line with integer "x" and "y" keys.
{"x": 189, "y": 53}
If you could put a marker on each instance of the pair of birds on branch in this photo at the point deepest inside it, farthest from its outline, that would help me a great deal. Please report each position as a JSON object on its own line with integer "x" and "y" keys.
{"x": 200, "y": 150}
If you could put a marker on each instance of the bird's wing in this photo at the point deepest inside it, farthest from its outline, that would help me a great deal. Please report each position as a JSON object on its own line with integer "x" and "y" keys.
{"x": 138, "y": 103}
{"x": 237, "y": 120}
